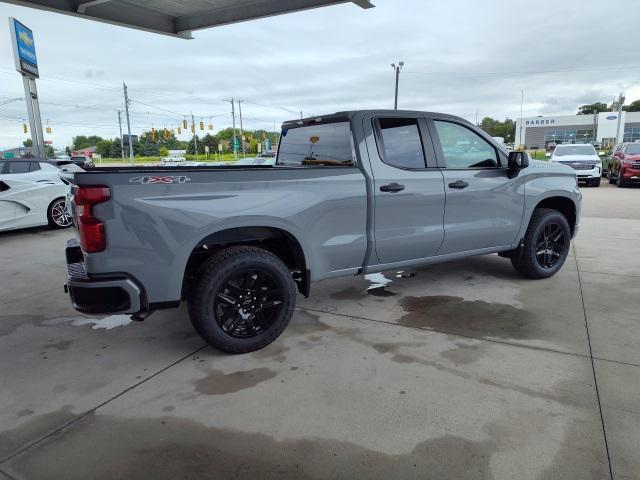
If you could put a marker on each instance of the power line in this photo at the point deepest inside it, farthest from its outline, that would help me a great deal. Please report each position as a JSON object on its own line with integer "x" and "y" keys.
{"x": 529, "y": 72}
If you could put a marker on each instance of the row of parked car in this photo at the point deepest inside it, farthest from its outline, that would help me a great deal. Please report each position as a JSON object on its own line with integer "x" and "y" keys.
{"x": 622, "y": 168}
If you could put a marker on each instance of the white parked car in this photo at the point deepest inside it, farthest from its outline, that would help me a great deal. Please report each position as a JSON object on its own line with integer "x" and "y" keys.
{"x": 583, "y": 158}
{"x": 25, "y": 204}
{"x": 30, "y": 169}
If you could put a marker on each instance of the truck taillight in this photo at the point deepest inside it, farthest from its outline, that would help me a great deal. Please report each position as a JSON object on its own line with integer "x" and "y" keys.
{"x": 91, "y": 229}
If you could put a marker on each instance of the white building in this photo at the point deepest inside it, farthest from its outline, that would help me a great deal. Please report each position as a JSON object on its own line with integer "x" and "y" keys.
{"x": 537, "y": 132}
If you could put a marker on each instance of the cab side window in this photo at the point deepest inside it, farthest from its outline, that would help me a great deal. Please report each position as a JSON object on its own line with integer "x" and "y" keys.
{"x": 399, "y": 143}
{"x": 463, "y": 148}
{"x": 34, "y": 166}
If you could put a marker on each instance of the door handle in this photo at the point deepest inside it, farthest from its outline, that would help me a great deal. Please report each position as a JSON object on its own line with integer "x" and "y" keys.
{"x": 392, "y": 187}
{"x": 460, "y": 184}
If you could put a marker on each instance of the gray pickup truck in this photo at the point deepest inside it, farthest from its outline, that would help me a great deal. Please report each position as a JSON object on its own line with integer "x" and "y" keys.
{"x": 351, "y": 193}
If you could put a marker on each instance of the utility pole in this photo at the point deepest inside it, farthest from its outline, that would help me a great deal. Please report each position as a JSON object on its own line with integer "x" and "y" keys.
{"x": 397, "y": 68}
{"x": 121, "y": 141}
{"x": 126, "y": 107}
{"x": 477, "y": 125}
{"x": 233, "y": 116}
{"x": 241, "y": 131}
{"x": 195, "y": 139}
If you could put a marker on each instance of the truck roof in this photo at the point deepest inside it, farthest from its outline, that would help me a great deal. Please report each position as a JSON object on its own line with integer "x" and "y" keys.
{"x": 349, "y": 114}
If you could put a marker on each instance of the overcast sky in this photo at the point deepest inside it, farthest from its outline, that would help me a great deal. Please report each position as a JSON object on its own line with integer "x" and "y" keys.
{"x": 461, "y": 56}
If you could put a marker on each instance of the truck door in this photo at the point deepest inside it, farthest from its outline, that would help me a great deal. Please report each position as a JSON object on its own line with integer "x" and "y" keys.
{"x": 484, "y": 204}
{"x": 408, "y": 189}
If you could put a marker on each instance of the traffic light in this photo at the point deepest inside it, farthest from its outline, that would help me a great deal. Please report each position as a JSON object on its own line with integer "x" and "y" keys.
{"x": 24, "y": 128}
{"x": 165, "y": 134}
{"x": 201, "y": 125}
{"x": 184, "y": 123}
{"x": 179, "y": 131}
{"x": 210, "y": 126}
{"x": 264, "y": 135}
{"x": 48, "y": 129}
{"x": 193, "y": 129}
{"x": 153, "y": 134}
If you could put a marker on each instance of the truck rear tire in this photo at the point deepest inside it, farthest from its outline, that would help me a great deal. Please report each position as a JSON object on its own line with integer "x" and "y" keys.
{"x": 243, "y": 299}
{"x": 546, "y": 245}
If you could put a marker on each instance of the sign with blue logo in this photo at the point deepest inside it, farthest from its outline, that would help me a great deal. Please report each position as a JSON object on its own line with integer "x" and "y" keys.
{"x": 612, "y": 117}
{"x": 24, "y": 48}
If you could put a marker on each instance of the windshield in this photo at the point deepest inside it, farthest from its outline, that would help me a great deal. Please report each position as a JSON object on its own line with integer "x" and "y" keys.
{"x": 322, "y": 144}
{"x": 563, "y": 150}
{"x": 633, "y": 149}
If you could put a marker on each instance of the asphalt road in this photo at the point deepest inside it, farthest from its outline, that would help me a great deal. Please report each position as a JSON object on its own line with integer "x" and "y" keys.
{"x": 459, "y": 370}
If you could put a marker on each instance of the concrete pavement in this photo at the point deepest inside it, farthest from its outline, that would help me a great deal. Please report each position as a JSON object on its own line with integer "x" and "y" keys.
{"x": 460, "y": 370}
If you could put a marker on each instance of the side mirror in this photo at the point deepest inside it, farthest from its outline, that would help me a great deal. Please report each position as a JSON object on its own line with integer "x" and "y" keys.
{"x": 518, "y": 160}
{"x": 600, "y": 152}
{"x": 548, "y": 154}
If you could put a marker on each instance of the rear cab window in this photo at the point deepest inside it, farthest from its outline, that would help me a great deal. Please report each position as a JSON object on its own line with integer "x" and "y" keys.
{"x": 321, "y": 144}
{"x": 399, "y": 142}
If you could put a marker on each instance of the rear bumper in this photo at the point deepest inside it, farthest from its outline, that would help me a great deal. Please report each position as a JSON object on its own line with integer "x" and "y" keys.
{"x": 117, "y": 293}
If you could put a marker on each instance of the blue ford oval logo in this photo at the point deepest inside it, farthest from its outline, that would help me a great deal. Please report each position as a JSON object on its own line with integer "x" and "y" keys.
{"x": 612, "y": 117}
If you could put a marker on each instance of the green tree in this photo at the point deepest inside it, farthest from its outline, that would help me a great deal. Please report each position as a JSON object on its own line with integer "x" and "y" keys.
{"x": 50, "y": 152}
{"x": 28, "y": 142}
{"x": 191, "y": 150}
{"x": 164, "y": 151}
{"x": 632, "y": 107}
{"x": 592, "y": 108}
{"x": 82, "y": 141}
{"x": 105, "y": 148}
{"x": 495, "y": 128}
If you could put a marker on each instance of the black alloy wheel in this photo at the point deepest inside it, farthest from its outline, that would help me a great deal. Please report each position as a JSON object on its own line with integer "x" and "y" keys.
{"x": 248, "y": 303}
{"x": 550, "y": 244}
{"x": 241, "y": 299}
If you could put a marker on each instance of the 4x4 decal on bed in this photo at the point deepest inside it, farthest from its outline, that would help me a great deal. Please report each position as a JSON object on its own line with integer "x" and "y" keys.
{"x": 163, "y": 179}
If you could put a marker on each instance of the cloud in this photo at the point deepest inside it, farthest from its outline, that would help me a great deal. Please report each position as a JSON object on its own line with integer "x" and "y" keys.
{"x": 461, "y": 56}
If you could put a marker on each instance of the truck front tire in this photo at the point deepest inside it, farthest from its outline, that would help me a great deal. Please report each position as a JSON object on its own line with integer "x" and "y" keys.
{"x": 546, "y": 245}
{"x": 243, "y": 299}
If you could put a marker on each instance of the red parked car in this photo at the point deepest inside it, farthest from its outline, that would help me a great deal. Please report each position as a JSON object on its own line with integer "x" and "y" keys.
{"x": 624, "y": 167}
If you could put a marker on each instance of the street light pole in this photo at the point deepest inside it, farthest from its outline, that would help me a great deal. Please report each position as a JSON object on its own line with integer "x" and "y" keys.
{"x": 397, "y": 68}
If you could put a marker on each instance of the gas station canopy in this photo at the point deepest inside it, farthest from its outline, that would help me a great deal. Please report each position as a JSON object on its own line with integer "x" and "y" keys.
{"x": 178, "y": 17}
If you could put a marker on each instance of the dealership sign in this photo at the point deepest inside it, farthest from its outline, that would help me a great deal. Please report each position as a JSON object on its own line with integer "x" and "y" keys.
{"x": 612, "y": 117}
{"x": 24, "y": 48}
{"x": 540, "y": 121}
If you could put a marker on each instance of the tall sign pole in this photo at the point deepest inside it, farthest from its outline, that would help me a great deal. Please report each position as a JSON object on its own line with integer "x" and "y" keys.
{"x": 24, "y": 53}
{"x": 126, "y": 108}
